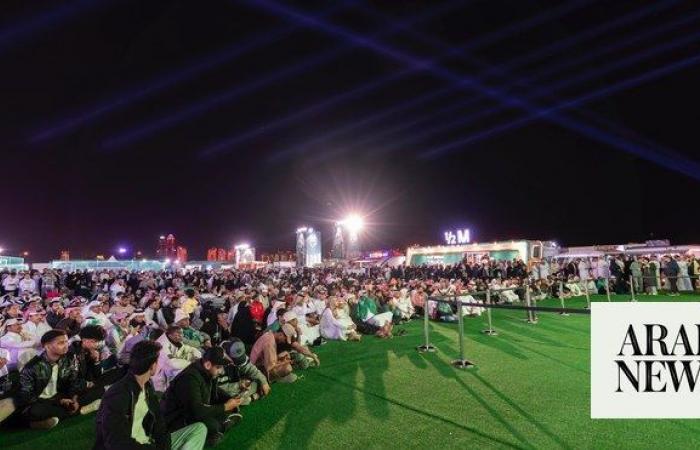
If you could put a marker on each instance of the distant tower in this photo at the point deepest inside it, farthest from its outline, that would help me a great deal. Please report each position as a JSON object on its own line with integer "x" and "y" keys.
{"x": 161, "y": 248}
{"x": 338, "y": 249}
{"x": 181, "y": 254}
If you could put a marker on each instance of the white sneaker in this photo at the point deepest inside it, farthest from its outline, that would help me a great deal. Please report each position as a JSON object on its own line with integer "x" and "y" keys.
{"x": 45, "y": 424}
{"x": 90, "y": 408}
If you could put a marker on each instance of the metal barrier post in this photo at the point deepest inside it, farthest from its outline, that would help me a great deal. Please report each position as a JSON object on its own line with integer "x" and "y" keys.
{"x": 588, "y": 297}
{"x": 427, "y": 347}
{"x": 561, "y": 299}
{"x": 490, "y": 331}
{"x": 607, "y": 287}
{"x": 461, "y": 363}
{"x": 632, "y": 289}
{"x": 531, "y": 315}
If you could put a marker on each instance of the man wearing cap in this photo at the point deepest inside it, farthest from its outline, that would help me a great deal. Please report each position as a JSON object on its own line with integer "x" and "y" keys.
{"x": 49, "y": 388}
{"x": 241, "y": 378}
{"x": 193, "y": 396}
{"x": 19, "y": 344}
{"x": 174, "y": 357}
{"x": 130, "y": 416}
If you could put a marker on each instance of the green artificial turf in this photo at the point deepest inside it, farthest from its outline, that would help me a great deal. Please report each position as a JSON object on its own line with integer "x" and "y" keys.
{"x": 529, "y": 389}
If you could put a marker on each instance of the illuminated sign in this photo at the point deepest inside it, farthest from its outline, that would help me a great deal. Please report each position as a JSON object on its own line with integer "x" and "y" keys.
{"x": 457, "y": 237}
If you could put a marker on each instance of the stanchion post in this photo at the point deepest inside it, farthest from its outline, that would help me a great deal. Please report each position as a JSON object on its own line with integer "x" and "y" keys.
{"x": 461, "y": 363}
{"x": 531, "y": 315}
{"x": 561, "y": 299}
{"x": 490, "y": 331}
{"x": 427, "y": 346}
{"x": 607, "y": 287}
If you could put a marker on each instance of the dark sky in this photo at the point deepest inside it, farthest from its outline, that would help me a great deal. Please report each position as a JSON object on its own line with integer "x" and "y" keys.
{"x": 109, "y": 107}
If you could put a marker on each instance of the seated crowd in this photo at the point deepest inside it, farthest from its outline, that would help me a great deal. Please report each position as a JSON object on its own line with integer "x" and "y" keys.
{"x": 167, "y": 359}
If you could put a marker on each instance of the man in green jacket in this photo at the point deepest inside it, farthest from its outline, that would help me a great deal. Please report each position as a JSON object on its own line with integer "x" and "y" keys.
{"x": 193, "y": 396}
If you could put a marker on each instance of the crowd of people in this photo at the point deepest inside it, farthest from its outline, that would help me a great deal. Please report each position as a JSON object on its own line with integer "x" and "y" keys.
{"x": 168, "y": 359}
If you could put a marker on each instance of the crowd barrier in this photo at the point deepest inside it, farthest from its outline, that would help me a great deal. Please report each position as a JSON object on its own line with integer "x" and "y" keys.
{"x": 634, "y": 283}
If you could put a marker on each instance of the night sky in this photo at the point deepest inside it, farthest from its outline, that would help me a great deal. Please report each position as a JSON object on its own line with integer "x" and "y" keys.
{"x": 124, "y": 120}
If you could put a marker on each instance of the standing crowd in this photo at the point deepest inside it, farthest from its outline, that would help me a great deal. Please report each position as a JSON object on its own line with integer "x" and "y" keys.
{"x": 168, "y": 359}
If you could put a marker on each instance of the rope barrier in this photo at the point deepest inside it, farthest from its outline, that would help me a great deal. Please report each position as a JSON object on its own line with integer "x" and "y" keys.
{"x": 464, "y": 363}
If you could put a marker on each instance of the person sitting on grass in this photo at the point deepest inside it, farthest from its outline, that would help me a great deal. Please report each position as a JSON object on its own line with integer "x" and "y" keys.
{"x": 302, "y": 356}
{"x": 7, "y": 405}
{"x": 174, "y": 357}
{"x": 50, "y": 389}
{"x": 190, "y": 336}
{"x": 130, "y": 416}
{"x": 572, "y": 284}
{"x": 277, "y": 366}
{"x": 87, "y": 359}
{"x": 241, "y": 378}
{"x": 193, "y": 396}
{"x": 367, "y": 312}
{"x": 332, "y": 327}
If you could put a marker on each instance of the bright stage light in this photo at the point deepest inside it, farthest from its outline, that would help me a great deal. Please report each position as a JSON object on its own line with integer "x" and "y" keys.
{"x": 122, "y": 250}
{"x": 354, "y": 223}
{"x": 242, "y": 246}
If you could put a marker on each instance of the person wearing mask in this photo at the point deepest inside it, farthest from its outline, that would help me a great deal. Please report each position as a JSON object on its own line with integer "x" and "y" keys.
{"x": 193, "y": 396}
{"x": 130, "y": 417}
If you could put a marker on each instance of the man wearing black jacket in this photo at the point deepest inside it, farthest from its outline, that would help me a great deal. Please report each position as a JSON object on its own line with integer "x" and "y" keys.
{"x": 49, "y": 388}
{"x": 130, "y": 417}
{"x": 86, "y": 360}
{"x": 193, "y": 396}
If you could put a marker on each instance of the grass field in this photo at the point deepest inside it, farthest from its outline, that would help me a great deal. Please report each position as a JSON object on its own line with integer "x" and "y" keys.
{"x": 530, "y": 389}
